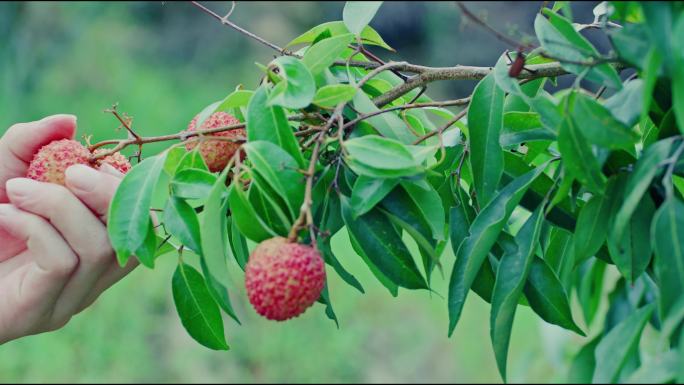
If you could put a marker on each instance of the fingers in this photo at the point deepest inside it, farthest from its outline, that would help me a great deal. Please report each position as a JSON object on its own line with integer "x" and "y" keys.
{"x": 82, "y": 230}
{"x": 50, "y": 251}
{"x": 94, "y": 188}
{"x": 23, "y": 140}
{"x": 78, "y": 225}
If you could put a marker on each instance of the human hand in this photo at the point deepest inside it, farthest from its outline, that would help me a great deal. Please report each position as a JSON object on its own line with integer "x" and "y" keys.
{"x": 55, "y": 254}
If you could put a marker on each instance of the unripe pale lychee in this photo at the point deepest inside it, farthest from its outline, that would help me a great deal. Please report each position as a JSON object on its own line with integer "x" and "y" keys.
{"x": 216, "y": 153}
{"x": 50, "y": 163}
{"x": 283, "y": 279}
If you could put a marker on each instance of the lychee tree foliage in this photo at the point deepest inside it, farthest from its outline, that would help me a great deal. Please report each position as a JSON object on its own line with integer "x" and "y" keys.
{"x": 547, "y": 199}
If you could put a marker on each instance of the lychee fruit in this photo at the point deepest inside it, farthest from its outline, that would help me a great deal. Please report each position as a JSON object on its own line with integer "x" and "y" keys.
{"x": 51, "y": 162}
{"x": 216, "y": 153}
{"x": 116, "y": 160}
{"x": 283, "y": 279}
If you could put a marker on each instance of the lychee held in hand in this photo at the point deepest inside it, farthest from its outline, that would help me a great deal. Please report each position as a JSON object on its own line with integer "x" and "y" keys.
{"x": 283, "y": 279}
{"x": 216, "y": 153}
{"x": 50, "y": 163}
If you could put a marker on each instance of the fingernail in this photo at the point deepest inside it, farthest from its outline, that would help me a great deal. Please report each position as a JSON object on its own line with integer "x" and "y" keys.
{"x": 58, "y": 116}
{"x": 82, "y": 178}
{"x": 20, "y": 187}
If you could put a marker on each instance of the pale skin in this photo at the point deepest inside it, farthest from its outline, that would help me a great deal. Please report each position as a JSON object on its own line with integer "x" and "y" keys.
{"x": 55, "y": 254}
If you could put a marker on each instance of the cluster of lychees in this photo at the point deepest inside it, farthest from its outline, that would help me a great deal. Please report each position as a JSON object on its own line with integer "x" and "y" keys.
{"x": 282, "y": 278}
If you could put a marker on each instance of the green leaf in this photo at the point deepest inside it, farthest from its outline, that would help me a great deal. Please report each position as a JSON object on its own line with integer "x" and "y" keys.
{"x": 331, "y": 95}
{"x": 615, "y": 347}
{"x": 590, "y": 288}
{"x": 236, "y": 99}
{"x": 661, "y": 369}
{"x": 198, "y": 312}
{"x": 578, "y": 158}
{"x": 245, "y": 217}
{"x": 592, "y": 224}
{"x": 388, "y": 124}
{"x": 383, "y": 245}
{"x": 192, "y": 183}
{"x": 322, "y": 54}
{"x": 547, "y": 297}
{"x": 190, "y": 159}
{"x": 368, "y": 192}
{"x": 584, "y": 363}
{"x": 299, "y": 85}
{"x": 269, "y": 123}
{"x": 560, "y": 39}
{"x": 147, "y": 252}
{"x": 238, "y": 243}
{"x": 667, "y": 235}
{"x": 382, "y": 278}
{"x": 369, "y": 36}
{"x": 632, "y": 251}
{"x": 678, "y": 72}
{"x": 485, "y": 122}
{"x": 598, "y": 126}
{"x": 484, "y": 232}
{"x": 214, "y": 257}
{"x": 375, "y": 154}
{"x": 646, "y": 168}
{"x": 129, "y": 211}
{"x": 429, "y": 205}
{"x": 181, "y": 221}
{"x": 521, "y": 127}
{"x": 626, "y": 104}
{"x": 280, "y": 171}
{"x": 331, "y": 259}
{"x": 631, "y": 42}
{"x": 510, "y": 281}
{"x": 357, "y": 14}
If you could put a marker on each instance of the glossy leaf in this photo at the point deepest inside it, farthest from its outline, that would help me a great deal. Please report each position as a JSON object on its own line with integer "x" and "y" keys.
{"x": 483, "y": 233}
{"x": 369, "y": 36}
{"x": 368, "y": 192}
{"x": 614, "y": 349}
{"x": 560, "y": 39}
{"x": 510, "y": 281}
{"x": 270, "y": 123}
{"x": 357, "y": 14}
{"x": 578, "y": 158}
{"x": 322, "y": 54}
{"x": 297, "y": 89}
{"x": 485, "y": 117}
{"x": 192, "y": 183}
{"x": 632, "y": 251}
{"x": 667, "y": 235}
{"x": 129, "y": 214}
{"x": 547, "y": 297}
{"x": 280, "y": 171}
{"x": 598, "y": 126}
{"x": 382, "y": 244}
{"x": 331, "y": 95}
{"x": 198, "y": 312}
{"x": 245, "y": 217}
{"x": 181, "y": 220}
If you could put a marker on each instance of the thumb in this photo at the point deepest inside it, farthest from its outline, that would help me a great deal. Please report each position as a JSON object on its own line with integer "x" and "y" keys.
{"x": 94, "y": 188}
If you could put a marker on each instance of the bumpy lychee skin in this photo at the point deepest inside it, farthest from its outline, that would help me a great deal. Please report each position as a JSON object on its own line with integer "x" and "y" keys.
{"x": 115, "y": 160}
{"x": 214, "y": 152}
{"x": 283, "y": 279}
{"x": 52, "y": 160}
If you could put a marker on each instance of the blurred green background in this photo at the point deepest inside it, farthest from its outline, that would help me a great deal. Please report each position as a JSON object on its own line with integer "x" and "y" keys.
{"x": 164, "y": 62}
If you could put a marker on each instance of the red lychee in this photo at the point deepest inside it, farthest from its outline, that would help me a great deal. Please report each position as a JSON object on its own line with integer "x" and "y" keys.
{"x": 115, "y": 160}
{"x": 283, "y": 279}
{"x": 216, "y": 153}
{"x": 51, "y": 162}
